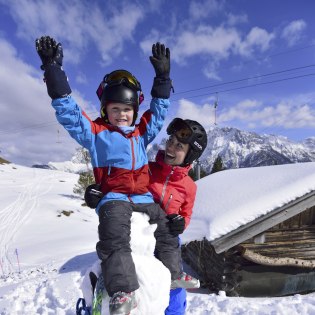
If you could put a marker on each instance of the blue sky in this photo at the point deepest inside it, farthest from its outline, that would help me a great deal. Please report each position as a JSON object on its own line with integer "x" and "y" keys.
{"x": 257, "y": 58}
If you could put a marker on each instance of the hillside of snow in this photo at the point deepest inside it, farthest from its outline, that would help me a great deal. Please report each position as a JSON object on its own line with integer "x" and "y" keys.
{"x": 48, "y": 244}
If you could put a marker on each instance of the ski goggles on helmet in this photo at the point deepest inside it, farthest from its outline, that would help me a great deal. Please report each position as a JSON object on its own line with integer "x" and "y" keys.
{"x": 118, "y": 77}
{"x": 181, "y": 130}
{"x": 185, "y": 134}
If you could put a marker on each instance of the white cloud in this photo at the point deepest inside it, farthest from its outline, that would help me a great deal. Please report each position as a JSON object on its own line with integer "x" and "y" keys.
{"x": 205, "y": 40}
{"x": 202, "y": 9}
{"x": 293, "y": 32}
{"x": 218, "y": 43}
{"x": 153, "y": 37}
{"x": 248, "y": 104}
{"x": 233, "y": 19}
{"x": 252, "y": 113}
{"x": 210, "y": 71}
{"x": 203, "y": 114}
{"x": 28, "y": 127}
{"x": 257, "y": 38}
{"x": 194, "y": 38}
{"x": 79, "y": 24}
{"x": 285, "y": 114}
{"x": 109, "y": 35}
{"x": 81, "y": 78}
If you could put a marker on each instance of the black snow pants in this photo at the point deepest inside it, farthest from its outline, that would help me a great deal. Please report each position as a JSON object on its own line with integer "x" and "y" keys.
{"x": 114, "y": 250}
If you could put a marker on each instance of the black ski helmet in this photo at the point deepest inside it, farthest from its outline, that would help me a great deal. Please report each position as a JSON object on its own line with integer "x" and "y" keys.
{"x": 120, "y": 86}
{"x": 191, "y": 132}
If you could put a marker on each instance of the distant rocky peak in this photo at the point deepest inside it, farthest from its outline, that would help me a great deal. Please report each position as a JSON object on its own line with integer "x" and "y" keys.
{"x": 239, "y": 148}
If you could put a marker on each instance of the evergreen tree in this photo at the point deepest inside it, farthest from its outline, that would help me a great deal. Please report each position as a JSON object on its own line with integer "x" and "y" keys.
{"x": 217, "y": 165}
{"x": 86, "y": 178}
{"x": 82, "y": 155}
{"x": 193, "y": 173}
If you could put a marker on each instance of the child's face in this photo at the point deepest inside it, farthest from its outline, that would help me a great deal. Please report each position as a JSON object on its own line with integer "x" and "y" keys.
{"x": 175, "y": 151}
{"x": 120, "y": 114}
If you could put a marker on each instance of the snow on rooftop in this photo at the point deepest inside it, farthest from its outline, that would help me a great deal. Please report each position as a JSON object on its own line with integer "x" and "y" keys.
{"x": 228, "y": 199}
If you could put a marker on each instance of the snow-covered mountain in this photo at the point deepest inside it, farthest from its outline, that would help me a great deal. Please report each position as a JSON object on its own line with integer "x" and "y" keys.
{"x": 79, "y": 163}
{"x": 310, "y": 144}
{"x": 236, "y": 148}
{"x": 239, "y": 149}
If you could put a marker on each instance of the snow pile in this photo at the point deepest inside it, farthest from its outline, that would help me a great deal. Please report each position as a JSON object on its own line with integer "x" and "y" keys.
{"x": 228, "y": 199}
{"x": 154, "y": 278}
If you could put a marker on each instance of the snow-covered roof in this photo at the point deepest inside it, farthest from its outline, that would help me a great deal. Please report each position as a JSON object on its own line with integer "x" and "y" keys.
{"x": 229, "y": 199}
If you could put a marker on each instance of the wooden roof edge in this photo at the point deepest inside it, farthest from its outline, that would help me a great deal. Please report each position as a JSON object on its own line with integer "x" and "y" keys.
{"x": 263, "y": 223}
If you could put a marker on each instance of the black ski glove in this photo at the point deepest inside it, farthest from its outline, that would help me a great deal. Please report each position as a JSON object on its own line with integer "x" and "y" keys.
{"x": 51, "y": 55}
{"x": 160, "y": 60}
{"x": 176, "y": 224}
{"x": 49, "y": 52}
{"x": 93, "y": 195}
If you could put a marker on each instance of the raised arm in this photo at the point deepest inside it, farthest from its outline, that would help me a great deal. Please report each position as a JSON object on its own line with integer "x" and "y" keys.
{"x": 152, "y": 120}
{"x": 68, "y": 113}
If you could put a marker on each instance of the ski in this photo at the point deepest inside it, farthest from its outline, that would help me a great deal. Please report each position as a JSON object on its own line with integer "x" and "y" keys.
{"x": 98, "y": 296}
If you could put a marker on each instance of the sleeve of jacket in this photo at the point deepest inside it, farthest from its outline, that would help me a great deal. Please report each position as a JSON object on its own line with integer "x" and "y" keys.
{"x": 74, "y": 120}
{"x": 187, "y": 206}
{"x": 152, "y": 120}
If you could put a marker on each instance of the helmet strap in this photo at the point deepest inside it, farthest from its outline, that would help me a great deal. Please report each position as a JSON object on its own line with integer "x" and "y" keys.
{"x": 141, "y": 97}
{"x": 104, "y": 113}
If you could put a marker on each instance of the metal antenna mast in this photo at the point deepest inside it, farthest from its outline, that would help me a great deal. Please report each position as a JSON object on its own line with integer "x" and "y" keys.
{"x": 215, "y": 105}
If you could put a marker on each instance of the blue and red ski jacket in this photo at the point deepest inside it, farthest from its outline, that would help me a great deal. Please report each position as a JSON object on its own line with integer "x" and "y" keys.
{"x": 119, "y": 159}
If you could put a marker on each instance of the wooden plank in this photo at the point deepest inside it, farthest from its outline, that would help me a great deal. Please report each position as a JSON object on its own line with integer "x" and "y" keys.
{"x": 288, "y": 237}
{"x": 259, "y": 282}
{"x": 286, "y": 244}
{"x": 264, "y": 223}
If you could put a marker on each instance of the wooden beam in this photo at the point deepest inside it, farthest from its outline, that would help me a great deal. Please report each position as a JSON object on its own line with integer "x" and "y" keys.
{"x": 263, "y": 223}
{"x": 276, "y": 261}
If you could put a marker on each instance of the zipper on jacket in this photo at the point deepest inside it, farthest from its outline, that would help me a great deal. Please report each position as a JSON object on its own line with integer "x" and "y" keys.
{"x": 132, "y": 163}
{"x": 168, "y": 202}
{"x": 109, "y": 169}
{"x": 165, "y": 184}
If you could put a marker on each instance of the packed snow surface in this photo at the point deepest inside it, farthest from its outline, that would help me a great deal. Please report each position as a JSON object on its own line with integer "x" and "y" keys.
{"x": 48, "y": 242}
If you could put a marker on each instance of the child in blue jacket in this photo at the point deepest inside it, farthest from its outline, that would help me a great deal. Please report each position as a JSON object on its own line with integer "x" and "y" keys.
{"x": 174, "y": 190}
{"x": 118, "y": 154}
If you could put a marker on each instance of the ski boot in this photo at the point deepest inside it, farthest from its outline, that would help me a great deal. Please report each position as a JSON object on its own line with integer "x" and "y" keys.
{"x": 185, "y": 281}
{"x": 122, "y": 303}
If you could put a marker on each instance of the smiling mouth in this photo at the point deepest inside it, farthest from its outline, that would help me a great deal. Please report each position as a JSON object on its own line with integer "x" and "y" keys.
{"x": 169, "y": 156}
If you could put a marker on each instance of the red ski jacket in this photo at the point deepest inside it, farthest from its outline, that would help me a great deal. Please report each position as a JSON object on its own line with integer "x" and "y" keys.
{"x": 172, "y": 188}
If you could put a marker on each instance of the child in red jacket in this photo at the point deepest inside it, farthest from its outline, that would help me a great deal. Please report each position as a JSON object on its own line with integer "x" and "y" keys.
{"x": 175, "y": 191}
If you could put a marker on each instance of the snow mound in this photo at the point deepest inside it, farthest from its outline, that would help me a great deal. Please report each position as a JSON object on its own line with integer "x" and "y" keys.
{"x": 155, "y": 281}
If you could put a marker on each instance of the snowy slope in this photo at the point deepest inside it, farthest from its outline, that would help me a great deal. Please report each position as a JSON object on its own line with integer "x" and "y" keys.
{"x": 55, "y": 251}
